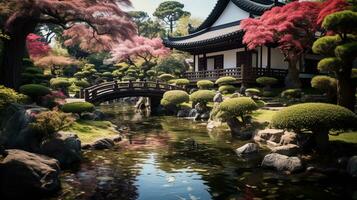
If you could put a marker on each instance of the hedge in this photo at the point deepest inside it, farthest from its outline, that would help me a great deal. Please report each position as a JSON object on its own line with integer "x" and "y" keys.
{"x": 227, "y": 89}
{"x": 81, "y": 83}
{"x": 35, "y": 90}
{"x": 166, "y": 77}
{"x": 205, "y": 84}
{"x": 60, "y": 82}
{"x": 235, "y": 107}
{"x": 252, "y": 92}
{"x": 181, "y": 82}
{"x": 227, "y": 80}
{"x": 314, "y": 116}
{"x": 266, "y": 81}
{"x": 324, "y": 83}
{"x": 291, "y": 93}
{"x": 202, "y": 96}
{"x": 174, "y": 97}
{"x": 78, "y": 107}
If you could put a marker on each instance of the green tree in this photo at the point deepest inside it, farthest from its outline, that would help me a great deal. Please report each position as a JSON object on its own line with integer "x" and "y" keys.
{"x": 340, "y": 51}
{"x": 184, "y": 24}
{"x": 169, "y": 12}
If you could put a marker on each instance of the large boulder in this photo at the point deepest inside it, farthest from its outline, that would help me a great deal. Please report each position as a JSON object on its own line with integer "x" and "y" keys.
{"x": 288, "y": 150}
{"x": 24, "y": 175}
{"x": 65, "y": 147}
{"x": 15, "y": 132}
{"x": 101, "y": 144}
{"x": 183, "y": 113}
{"x": 267, "y": 136}
{"x": 352, "y": 166}
{"x": 248, "y": 149}
{"x": 288, "y": 138}
{"x": 282, "y": 162}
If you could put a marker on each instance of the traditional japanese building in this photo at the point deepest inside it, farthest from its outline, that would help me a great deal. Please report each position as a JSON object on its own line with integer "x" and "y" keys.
{"x": 217, "y": 48}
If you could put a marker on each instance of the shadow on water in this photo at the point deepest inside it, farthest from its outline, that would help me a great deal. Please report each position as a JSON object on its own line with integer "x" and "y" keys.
{"x": 176, "y": 159}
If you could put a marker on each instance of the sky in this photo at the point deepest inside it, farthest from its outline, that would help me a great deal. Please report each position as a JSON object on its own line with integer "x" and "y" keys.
{"x": 197, "y": 8}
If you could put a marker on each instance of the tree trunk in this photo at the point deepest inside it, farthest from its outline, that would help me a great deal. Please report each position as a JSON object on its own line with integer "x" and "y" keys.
{"x": 322, "y": 140}
{"x": 14, "y": 51}
{"x": 292, "y": 80}
{"x": 235, "y": 126}
{"x": 346, "y": 91}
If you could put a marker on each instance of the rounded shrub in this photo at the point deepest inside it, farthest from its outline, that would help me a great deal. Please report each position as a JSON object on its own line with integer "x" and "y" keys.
{"x": 227, "y": 89}
{"x": 205, "y": 84}
{"x": 8, "y": 96}
{"x": 151, "y": 72}
{"x": 128, "y": 78}
{"x": 35, "y": 90}
{"x": 166, "y": 77}
{"x": 291, "y": 94}
{"x": 78, "y": 107}
{"x": 107, "y": 75}
{"x": 268, "y": 94}
{"x": 174, "y": 97}
{"x": 81, "y": 83}
{"x": 235, "y": 107}
{"x": 267, "y": 80}
{"x": 33, "y": 70}
{"x": 252, "y": 92}
{"x": 325, "y": 84}
{"x": 202, "y": 96}
{"x": 60, "y": 83}
{"x": 319, "y": 118}
{"x": 227, "y": 80}
{"x": 181, "y": 82}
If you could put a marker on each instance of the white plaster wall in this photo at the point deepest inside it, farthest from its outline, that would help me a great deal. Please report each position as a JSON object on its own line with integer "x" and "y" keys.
{"x": 265, "y": 57}
{"x": 277, "y": 59}
{"x": 229, "y": 57}
{"x": 196, "y": 64}
{"x": 210, "y": 64}
{"x": 232, "y": 13}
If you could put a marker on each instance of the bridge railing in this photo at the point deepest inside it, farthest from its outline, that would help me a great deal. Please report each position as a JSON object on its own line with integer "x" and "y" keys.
{"x": 95, "y": 91}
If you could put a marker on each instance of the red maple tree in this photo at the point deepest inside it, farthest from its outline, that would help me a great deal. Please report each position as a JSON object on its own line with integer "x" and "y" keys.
{"x": 35, "y": 47}
{"x": 139, "y": 48}
{"x": 331, "y": 6}
{"x": 292, "y": 27}
{"x": 86, "y": 22}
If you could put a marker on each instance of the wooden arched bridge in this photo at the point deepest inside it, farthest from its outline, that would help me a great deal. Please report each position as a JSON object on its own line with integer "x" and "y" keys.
{"x": 114, "y": 90}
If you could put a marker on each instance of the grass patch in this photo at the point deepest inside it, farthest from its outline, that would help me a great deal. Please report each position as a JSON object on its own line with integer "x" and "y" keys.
{"x": 263, "y": 115}
{"x": 350, "y": 137}
{"x": 90, "y": 131}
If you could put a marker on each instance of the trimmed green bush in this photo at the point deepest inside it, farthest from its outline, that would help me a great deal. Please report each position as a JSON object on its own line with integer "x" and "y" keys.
{"x": 236, "y": 107}
{"x": 166, "y": 77}
{"x": 227, "y": 80}
{"x": 205, "y": 84}
{"x": 151, "y": 72}
{"x": 291, "y": 94}
{"x": 202, "y": 96}
{"x": 175, "y": 97}
{"x": 325, "y": 84}
{"x": 181, "y": 82}
{"x": 252, "y": 92}
{"x": 8, "y": 96}
{"x": 77, "y": 107}
{"x": 128, "y": 78}
{"x": 319, "y": 118}
{"x": 227, "y": 89}
{"x": 107, "y": 75}
{"x": 267, "y": 81}
{"x": 35, "y": 90}
{"x": 33, "y": 70}
{"x": 60, "y": 82}
{"x": 81, "y": 83}
{"x": 268, "y": 94}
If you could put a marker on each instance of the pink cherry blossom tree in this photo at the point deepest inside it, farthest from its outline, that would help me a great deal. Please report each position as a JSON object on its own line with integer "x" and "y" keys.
{"x": 292, "y": 27}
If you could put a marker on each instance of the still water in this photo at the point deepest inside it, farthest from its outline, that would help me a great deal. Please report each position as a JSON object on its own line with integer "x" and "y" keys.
{"x": 166, "y": 158}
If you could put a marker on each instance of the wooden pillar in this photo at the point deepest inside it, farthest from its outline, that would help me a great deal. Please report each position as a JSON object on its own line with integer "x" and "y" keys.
{"x": 194, "y": 62}
{"x": 205, "y": 61}
{"x": 261, "y": 56}
{"x": 269, "y": 58}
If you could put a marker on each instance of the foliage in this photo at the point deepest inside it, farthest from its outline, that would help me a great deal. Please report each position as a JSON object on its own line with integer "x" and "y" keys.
{"x": 169, "y": 12}
{"x": 8, "y": 96}
{"x": 174, "y": 97}
{"x": 35, "y": 47}
{"x": 166, "y": 77}
{"x": 227, "y": 89}
{"x": 184, "y": 24}
{"x": 325, "y": 84}
{"x": 77, "y": 107}
{"x": 340, "y": 21}
{"x": 315, "y": 116}
{"x": 50, "y": 122}
{"x": 291, "y": 93}
{"x": 35, "y": 90}
{"x": 227, "y": 80}
{"x": 234, "y": 107}
{"x": 146, "y": 26}
{"x": 267, "y": 81}
{"x": 60, "y": 82}
{"x": 205, "y": 84}
{"x": 181, "y": 82}
{"x": 202, "y": 96}
{"x": 82, "y": 83}
{"x": 171, "y": 65}
{"x": 55, "y": 99}
{"x": 252, "y": 92}
{"x": 331, "y": 6}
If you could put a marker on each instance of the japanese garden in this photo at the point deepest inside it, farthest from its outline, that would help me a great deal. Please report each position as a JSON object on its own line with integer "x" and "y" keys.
{"x": 178, "y": 100}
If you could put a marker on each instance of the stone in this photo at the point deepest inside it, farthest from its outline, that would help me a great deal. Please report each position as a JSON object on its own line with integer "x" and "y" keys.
{"x": 248, "y": 149}
{"x": 88, "y": 116}
{"x": 15, "y": 132}
{"x": 183, "y": 113}
{"x": 218, "y": 98}
{"x": 65, "y": 147}
{"x": 273, "y": 135}
{"x": 117, "y": 138}
{"x": 101, "y": 144}
{"x": 288, "y": 150}
{"x": 24, "y": 175}
{"x": 282, "y": 162}
{"x": 352, "y": 166}
{"x": 98, "y": 115}
{"x": 205, "y": 116}
{"x": 288, "y": 138}
{"x": 212, "y": 124}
